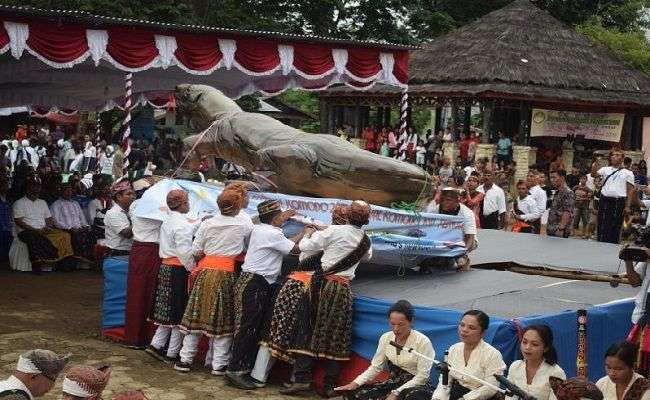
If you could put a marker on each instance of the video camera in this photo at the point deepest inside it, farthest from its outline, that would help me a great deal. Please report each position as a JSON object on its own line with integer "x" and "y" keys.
{"x": 637, "y": 251}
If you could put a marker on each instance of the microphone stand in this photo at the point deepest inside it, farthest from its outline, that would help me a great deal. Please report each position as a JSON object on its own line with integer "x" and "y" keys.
{"x": 444, "y": 368}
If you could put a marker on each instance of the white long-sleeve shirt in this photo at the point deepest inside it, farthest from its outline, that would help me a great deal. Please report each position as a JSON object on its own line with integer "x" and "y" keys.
{"x": 494, "y": 200}
{"x": 67, "y": 214}
{"x": 539, "y": 195}
{"x": 483, "y": 363}
{"x": 336, "y": 242}
{"x": 176, "y": 234}
{"x": 409, "y": 362}
{"x": 528, "y": 206}
{"x": 539, "y": 388}
{"x": 222, "y": 235}
{"x": 608, "y": 388}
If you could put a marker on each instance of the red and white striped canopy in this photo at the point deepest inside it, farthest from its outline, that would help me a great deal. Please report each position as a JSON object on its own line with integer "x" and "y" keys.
{"x": 71, "y": 60}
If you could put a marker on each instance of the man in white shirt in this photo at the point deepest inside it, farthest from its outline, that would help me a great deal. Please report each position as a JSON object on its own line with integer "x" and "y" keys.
{"x": 616, "y": 195}
{"x": 493, "y": 212}
{"x": 539, "y": 195}
{"x": 117, "y": 225}
{"x": 450, "y": 205}
{"x": 253, "y": 290}
{"x": 36, "y": 228}
{"x": 143, "y": 271}
{"x": 170, "y": 295}
{"x": 35, "y": 375}
{"x": 525, "y": 210}
{"x": 337, "y": 250}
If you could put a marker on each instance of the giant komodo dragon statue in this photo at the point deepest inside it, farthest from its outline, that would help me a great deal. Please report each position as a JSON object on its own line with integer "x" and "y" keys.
{"x": 316, "y": 165}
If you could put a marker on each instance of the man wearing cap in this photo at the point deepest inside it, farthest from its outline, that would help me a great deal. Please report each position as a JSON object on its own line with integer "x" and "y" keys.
{"x": 117, "y": 225}
{"x": 35, "y": 227}
{"x": 34, "y": 376}
{"x": 85, "y": 382}
{"x": 450, "y": 205}
{"x": 69, "y": 217}
{"x": 175, "y": 250}
{"x": 219, "y": 240}
{"x": 261, "y": 268}
{"x": 143, "y": 272}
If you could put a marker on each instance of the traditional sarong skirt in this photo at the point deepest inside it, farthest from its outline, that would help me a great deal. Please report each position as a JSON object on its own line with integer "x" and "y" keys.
{"x": 50, "y": 247}
{"x": 171, "y": 296}
{"x": 318, "y": 327}
{"x": 82, "y": 243}
{"x": 379, "y": 390}
{"x": 640, "y": 334}
{"x": 210, "y": 308}
{"x": 141, "y": 282}
{"x": 252, "y": 295}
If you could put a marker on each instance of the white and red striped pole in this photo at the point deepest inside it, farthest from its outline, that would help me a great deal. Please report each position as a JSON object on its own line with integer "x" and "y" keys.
{"x": 404, "y": 107}
{"x": 126, "y": 128}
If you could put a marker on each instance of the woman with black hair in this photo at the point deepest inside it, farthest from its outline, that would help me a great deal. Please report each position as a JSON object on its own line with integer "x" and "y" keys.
{"x": 621, "y": 382}
{"x": 473, "y": 356}
{"x": 409, "y": 374}
{"x": 539, "y": 363}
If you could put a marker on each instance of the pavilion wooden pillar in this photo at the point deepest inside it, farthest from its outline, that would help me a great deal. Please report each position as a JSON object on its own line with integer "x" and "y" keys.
{"x": 488, "y": 112}
{"x": 523, "y": 136}
{"x": 379, "y": 117}
{"x": 324, "y": 115}
{"x": 467, "y": 119}
{"x": 438, "y": 125}
{"x": 387, "y": 116}
{"x": 357, "y": 118}
{"x": 454, "y": 118}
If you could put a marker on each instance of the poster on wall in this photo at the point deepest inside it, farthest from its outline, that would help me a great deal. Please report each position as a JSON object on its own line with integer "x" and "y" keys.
{"x": 595, "y": 126}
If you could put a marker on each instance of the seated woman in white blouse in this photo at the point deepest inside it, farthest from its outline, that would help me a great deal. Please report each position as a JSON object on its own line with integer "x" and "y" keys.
{"x": 409, "y": 374}
{"x": 621, "y": 382}
{"x": 540, "y": 363}
{"x": 474, "y": 357}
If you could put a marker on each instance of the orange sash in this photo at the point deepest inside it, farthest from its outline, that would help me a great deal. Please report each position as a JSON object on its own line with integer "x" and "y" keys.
{"x": 216, "y": 262}
{"x": 517, "y": 226}
{"x": 172, "y": 261}
{"x": 340, "y": 279}
{"x": 302, "y": 276}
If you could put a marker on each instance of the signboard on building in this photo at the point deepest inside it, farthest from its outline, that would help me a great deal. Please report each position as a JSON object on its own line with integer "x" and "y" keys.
{"x": 595, "y": 126}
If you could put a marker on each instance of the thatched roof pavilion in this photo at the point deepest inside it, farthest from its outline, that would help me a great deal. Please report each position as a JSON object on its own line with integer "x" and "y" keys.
{"x": 517, "y": 58}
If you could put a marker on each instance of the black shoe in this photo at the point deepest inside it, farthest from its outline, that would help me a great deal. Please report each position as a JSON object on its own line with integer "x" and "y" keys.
{"x": 171, "y": 360}
{"x": 240, "y": 381}
{"x": 296, "y": 388}
{"x": 258, "y": 384}
{"x": 158, "y": 354}
{"x": 219, "y": 372}
{"x": 182, "y": 367}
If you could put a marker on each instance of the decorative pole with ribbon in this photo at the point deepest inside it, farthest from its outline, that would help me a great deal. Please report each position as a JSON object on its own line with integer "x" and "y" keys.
{"x": 581, "y": 351}
{"x": 126, "y": 123}
{"x": 404, "y": 109}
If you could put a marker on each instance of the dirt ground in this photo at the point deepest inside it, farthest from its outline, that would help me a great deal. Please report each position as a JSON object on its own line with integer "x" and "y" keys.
{"x": 61, "y": 312}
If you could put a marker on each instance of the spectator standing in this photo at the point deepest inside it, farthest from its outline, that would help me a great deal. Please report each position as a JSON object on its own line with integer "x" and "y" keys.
{"x": 493, "y": 212}
{"x": 446, "y": 171}
{"x": 583, "y": 196}
{"x": 615, "y": 197}
{"x": 561, "y": 210}
{"x": 573, "y": 179}
{"x": 504, "y": 149}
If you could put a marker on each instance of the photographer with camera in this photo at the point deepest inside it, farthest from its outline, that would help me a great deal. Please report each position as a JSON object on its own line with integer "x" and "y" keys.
{"x": 636, "y": 260}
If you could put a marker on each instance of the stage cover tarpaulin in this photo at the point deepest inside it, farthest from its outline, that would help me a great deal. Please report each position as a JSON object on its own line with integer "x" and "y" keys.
{"x": 96, "y": 51}
{"x": 594, "y": 126}
{"x": 395, "y": 234}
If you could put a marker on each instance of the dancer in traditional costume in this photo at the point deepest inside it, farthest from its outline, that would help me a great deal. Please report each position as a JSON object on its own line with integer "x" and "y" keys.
{"x": 143, "y": 272}
{"x": 85, "y": 382}
{"x": 176, "y": 234}
{"x": 409, "y": 373}
{"x": 35, "y": 375}
{"x": 35, "y": 227}
{"x": 261, "y": 268}
{"x": 210, "y": 310}
{"x": 312, "y": 316}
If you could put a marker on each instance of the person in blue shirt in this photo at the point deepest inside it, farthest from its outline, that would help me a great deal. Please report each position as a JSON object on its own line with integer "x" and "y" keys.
{"x": 504, "y": 149}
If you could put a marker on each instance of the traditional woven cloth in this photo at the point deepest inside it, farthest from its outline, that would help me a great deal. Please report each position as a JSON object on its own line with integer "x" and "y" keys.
{"x": 86, "y": 382}
{"x": 50, "y": 247}
{"x": 379, "y": 391}
{"x": 144, "y": 264}
{"x": 252, "y": 295}
{"x": 574, "y": 389}
{"x": 130, "y": 395}
{"x": 290, "y": 322}
{"x": 331, "y": 336}
{"x": 210, "y": 308}
{"x": 171, "y": 296}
